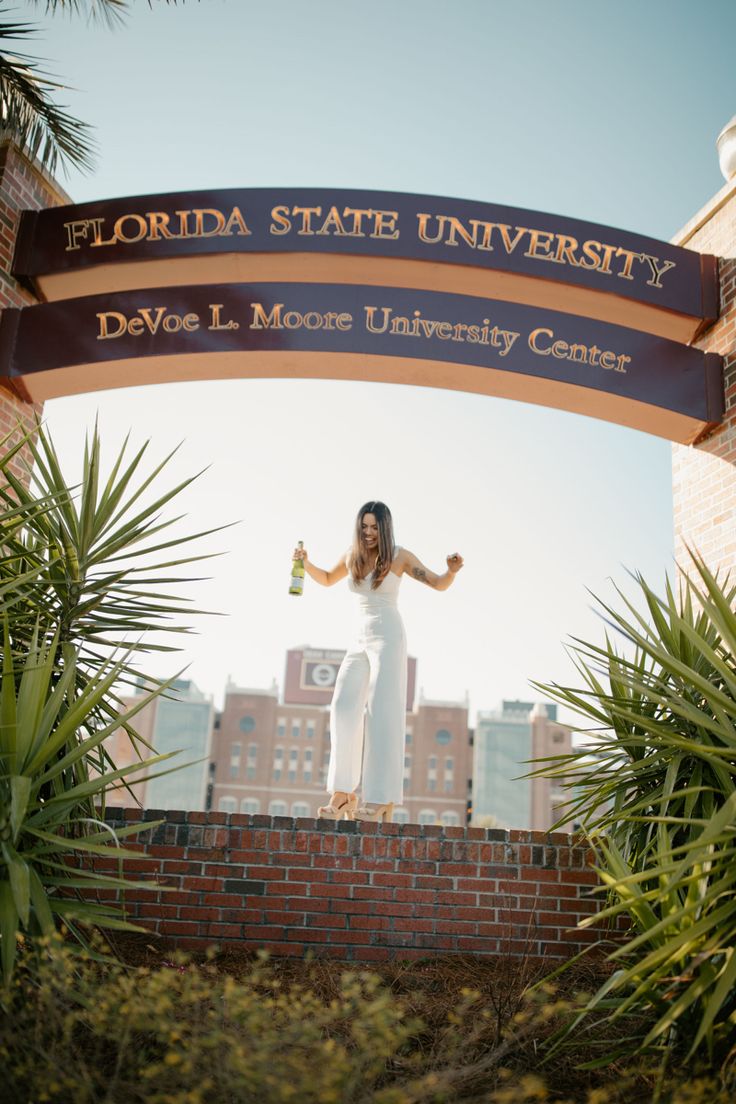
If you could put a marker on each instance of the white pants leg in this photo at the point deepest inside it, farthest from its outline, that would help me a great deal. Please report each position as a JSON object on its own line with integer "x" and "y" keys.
{"x": 385, "y": 724}
{"x": 347, "y": 714}
{"x": 372, "y": 674}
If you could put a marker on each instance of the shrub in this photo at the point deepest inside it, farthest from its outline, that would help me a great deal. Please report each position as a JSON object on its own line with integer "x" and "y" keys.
{"x": 656, "y": 792}
{"x": 76, "y": 570}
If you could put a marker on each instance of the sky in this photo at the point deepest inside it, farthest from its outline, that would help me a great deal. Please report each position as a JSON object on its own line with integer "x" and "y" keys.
{"x": 597, "y": 110}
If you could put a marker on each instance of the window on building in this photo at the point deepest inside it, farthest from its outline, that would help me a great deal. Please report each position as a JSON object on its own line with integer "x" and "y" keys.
{"x": 278, "y": 756}
{"x": 250, "y": 805}
{"x": 281, "y": 727}
{"x": 307, "y": 775}
{"x": 276, "y": 774}
{"x": 432, "y": 764}
{"x": 449, "y": 764}
{"x": 227, "y": 804}
{"x": 294, "y": 754}
{"x": 234, "y": 760}
{"x": 427, "y": 816}
{"x": 277, "y": 808}
{"x": 310, "y": 730}
{"x": 443, "y": 736}
{"x": 308, "y": 753}
{"x": 247, "y": 723}
{"x": 431, "y": 785}
{"x": 300, "y": 809}
{"x": 291, "y": 775}
{"x": 407, "y": 762}
{"x": 401, "y": 816}
{"x": 558, "y": 738}
{"x": 252, "y": 751}
{"x": 450, "y": 819}
{"x": 250, "y": 773}
{"x": 296, "y": 729}
{"x": 449, "y": 785}
{"x": 408, "y": 735}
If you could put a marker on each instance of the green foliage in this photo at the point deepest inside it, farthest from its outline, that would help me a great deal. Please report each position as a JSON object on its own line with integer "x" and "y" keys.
{"x": 27, "y": 108}
{"x": 180, "y": 1033}
{"x": 655, "y": 791}
{"x": 75, "y": 565}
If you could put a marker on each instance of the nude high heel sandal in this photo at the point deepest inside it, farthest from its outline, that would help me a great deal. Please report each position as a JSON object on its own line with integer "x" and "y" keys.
{"x": 375, "y": 812}
{"x": 341, "y": 806}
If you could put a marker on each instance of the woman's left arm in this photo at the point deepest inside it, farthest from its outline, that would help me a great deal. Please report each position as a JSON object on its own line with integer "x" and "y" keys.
{"x": 414, "y": 567}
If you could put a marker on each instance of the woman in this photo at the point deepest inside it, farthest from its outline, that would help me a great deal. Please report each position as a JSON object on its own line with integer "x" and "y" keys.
{"x": 371, "y": 682}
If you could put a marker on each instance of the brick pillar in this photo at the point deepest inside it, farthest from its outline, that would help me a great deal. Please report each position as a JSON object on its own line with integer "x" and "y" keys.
{"x": 24, "y": 185}
{"x": 704, "y": 475}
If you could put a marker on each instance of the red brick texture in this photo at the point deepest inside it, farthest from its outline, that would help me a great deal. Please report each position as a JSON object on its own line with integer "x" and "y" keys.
{"x": 357, "y": 893}
{"x": 23, "y": 186}
{"x": 704, "y": 476}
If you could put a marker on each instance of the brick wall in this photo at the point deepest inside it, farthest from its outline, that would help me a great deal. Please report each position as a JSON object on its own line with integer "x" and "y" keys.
{"x": 704, "y": 476}
{"x": 23, "y": 186}
{"x": 364, "y": 894}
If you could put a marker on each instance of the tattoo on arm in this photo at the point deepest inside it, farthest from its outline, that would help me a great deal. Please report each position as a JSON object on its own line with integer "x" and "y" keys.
{"x": 421, "y": 576}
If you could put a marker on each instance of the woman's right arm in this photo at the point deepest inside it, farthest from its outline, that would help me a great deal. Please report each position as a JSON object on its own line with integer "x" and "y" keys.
{"x": 325, "y": 578}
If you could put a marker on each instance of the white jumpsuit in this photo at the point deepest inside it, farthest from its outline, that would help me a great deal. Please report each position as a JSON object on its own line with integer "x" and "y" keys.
{"x": 371, "y": 687}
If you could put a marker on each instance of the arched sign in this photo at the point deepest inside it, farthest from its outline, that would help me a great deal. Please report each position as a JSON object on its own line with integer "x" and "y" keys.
{"x": 365, "y": 285}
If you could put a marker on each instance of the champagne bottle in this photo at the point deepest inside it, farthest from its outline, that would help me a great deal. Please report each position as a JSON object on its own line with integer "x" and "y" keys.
{"x": 297, "y": 574}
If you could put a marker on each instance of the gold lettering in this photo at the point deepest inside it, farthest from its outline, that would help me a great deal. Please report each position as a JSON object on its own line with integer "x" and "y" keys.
{"x": 369, "y": 316}
{"x": 533, "y": 340}
{"x": 118, "y": 229}
{"x": 333, "y": 221}
{"x": 422, "y": 228}
{"x": 566, "y": 247}
{"x": 306, "y": 213}
{"x": 608, "y": 252}
{"x": 358, "y": 214}
{"x": 96, "y": 224}
{"x": 183, "y": 217}
{"x": 216, "y": 319}
{"x": 158, "y": 221}
{"x": 625, "y": 273}
{"x": 657, "y": 269}
{"x": 105, "y": 334}
{"x": 384, "y": 224}
{"x": 199, "y": 225}
{"x": 280, "y": 222}
{"x": 456, "y": 227}
{"x": 76, "y": 231}
{"x": 485, "y": 241}
{"x": 508, "y": 244}
{"x": 590, "y": 251}
{"x": 153, "y": 322}
{"x": 535, "y": 243}
{"x": 263, "y": 321}
{"x": 235, "y": 220}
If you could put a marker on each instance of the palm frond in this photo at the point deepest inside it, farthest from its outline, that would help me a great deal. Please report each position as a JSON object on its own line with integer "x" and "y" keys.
{"x": 28, "y": 112}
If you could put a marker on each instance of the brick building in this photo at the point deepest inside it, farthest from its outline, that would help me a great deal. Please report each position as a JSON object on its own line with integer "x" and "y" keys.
{"x": 271, "y": 755}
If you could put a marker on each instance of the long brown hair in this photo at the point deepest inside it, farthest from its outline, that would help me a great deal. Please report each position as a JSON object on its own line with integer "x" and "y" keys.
{"x": 358, "y": 560}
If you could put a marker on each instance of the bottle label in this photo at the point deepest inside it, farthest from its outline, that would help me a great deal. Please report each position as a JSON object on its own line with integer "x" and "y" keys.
{"x": 297, "y": 584}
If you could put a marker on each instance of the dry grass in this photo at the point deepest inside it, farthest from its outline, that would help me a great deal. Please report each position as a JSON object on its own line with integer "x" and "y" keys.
{"x": 483, "y": 1034}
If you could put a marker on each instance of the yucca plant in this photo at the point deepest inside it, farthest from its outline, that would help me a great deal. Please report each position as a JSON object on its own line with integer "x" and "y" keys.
{"x": 654, "y": 787}
{"x": 77, "y": 565}
{"x": 80, "y": 562}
